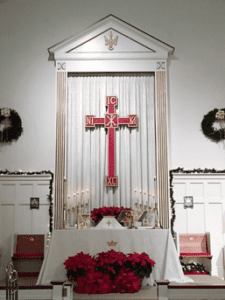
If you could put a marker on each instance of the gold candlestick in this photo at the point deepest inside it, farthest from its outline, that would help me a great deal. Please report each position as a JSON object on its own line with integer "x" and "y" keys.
{"x": 132, "y": 224}
{"x": 76, "y": 210}
{"x": 64, "y": 216}
{"x": 156, "y": 217}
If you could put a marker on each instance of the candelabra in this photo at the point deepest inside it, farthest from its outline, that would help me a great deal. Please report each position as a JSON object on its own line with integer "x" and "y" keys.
{"x": 140, "y": 209}
{"x": 144, "y": 197}
{"x": 80, "y": 196}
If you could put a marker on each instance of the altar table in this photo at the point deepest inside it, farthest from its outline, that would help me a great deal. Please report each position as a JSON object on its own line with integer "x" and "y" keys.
{"x": 157, "y": 243}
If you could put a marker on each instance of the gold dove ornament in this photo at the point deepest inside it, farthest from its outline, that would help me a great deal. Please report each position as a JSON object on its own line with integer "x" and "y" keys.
{"x": 111, "y": 42}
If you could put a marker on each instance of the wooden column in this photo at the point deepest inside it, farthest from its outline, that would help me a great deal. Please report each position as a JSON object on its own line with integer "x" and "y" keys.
{"x": 162, "y": 149}
{"x": 60, "y": 149}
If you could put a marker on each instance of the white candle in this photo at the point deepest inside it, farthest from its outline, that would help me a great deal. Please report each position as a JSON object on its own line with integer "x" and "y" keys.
{"x": 135, "y": 195}
{"x": 74, "y": 199}
{"x": 145, "y": 197}
{"x": 78, "y": 198}
{"x": 87, "y": 199}
{"x": 83, "y": 198}
{"x": 68, "y": 199}
{"x": 141, "y": 199}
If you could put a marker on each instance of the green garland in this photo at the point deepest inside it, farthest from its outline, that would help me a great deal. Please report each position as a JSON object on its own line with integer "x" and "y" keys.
{"x": 207, "y": 125}
{"x": 14, "y": 130}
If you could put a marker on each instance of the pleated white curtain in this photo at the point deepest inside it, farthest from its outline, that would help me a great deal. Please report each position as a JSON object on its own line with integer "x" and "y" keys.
{"x": 86, "y": 157}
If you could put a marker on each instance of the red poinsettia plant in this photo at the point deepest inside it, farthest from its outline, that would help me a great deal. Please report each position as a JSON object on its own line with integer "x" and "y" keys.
{"x": 108, "y": 272}
{"x": 110, "y": 262}
{"x": 79, "y": 265}
{"x": 126, "y": 282}
{"x": 98, "y": 213}
{"x": 140, "y": 264}
{"x": 94, "y": 283}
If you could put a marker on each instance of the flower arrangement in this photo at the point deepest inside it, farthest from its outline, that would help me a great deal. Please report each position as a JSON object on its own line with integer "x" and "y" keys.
{"x": 79, "y": 265}
{"x": 108, "y": 272}
{"x": 98, "y": 213}
{"x": 141, "y": 264}
{"x": 110, "y": 262}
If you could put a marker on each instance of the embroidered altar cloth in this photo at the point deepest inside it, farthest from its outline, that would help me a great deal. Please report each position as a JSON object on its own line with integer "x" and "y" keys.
{"x": 109, "y": 222}
{"x": 157, "y": 243}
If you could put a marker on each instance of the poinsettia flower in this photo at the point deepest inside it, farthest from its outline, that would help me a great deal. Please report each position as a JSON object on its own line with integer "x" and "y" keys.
{"x": 127, "y": 282}
{"x": 108, "y": 272}
{"x": 98, "y": 213}
{"x": 143, "y": 263}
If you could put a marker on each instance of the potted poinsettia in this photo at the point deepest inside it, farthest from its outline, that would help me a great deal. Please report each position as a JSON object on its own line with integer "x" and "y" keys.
{"x": 108, "y": 272}
{"x": 140, "y": 264}
{"x": 126, "y": 281}
{"x": 95, "y": 282}
{"x": 110, "y": 262}
{"x": 79, "y": 265}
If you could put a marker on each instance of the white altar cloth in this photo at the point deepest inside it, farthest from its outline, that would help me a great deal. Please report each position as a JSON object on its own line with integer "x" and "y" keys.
{"x": 157, "y": 243}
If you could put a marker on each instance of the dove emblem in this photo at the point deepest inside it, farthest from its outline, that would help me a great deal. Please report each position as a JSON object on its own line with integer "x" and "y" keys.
{"x": 111, "y": 42}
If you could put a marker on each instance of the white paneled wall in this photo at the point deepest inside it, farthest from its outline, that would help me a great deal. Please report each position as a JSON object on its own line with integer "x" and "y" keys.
{"x": 208, "y": 214}
{"x": 16, "y": 217}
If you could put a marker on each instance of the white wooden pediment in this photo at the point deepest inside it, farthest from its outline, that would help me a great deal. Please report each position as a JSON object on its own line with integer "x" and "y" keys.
{"x": 111, "y": 38}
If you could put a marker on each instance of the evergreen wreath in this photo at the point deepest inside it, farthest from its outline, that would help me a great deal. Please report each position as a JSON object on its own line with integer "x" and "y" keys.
{"x": 14, "y": 130}
{"x": 216, "y": 115}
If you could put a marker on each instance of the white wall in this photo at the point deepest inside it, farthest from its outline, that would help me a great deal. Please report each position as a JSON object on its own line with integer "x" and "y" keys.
{"x": 196, "y": 73}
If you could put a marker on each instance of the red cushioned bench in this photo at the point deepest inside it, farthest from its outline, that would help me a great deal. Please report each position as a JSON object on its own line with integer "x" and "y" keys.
{"x": 194, "y": 246}
{"x": 29, "y": 254}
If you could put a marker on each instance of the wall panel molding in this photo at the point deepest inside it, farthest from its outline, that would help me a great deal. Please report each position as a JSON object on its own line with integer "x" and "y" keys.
{"x": 16, "y": 217}
{"x": 207, "y": 215}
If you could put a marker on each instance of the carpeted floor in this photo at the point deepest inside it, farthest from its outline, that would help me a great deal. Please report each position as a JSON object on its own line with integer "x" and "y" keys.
{"x": 205, "y": 279}
{"x": 146, "y": 293}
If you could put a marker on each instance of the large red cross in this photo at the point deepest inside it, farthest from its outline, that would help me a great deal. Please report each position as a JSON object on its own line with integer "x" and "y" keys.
{"x": 111, "y": 121}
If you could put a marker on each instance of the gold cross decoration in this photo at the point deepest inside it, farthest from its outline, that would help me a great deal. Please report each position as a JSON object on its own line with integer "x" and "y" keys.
{"x": 108, "y": 223}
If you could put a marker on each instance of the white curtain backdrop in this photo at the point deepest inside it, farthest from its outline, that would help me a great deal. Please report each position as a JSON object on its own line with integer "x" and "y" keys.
{"x": 86, "y": 155}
